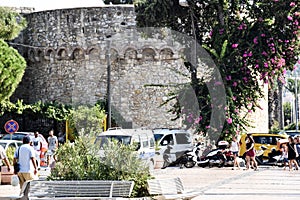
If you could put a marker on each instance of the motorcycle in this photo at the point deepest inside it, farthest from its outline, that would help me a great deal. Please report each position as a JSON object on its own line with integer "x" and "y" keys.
{"x": 182, "y": 159}
{"x": 219, "y": 157}
{"x": 273, "y": 158}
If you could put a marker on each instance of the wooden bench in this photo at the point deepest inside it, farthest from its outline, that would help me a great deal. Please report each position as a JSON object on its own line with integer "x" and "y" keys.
{"x": 171, "y": 188}
{"x": 81, "y": 189}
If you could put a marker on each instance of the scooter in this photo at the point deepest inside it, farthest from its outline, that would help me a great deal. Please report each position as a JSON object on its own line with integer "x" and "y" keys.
{"x": 183, "y": 159}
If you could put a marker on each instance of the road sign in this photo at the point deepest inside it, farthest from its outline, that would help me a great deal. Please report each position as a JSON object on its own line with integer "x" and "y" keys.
{"x": 11, "y": 126}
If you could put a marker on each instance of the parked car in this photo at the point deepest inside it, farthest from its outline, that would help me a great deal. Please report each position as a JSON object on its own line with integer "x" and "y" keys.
{"x": 144, "y": 140}
{"x": 268, "y": 140}
{"x": 16, "y": 136}
{"x": 10, "y": 143}
{"x": 19, "y": 136}
{"x": 176, "y": 141}
{"x": 292, "y": 133}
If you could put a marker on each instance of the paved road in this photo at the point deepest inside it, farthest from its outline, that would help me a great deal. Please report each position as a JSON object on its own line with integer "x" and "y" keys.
{"x": 226, "y": 184}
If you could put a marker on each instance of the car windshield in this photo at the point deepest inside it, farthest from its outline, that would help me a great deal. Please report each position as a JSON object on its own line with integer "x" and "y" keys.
{"x": 3, "y": 145}
{"x": 266, "y": 139}
{"x": 157, "y": 136}
{"x": 14, "y": 136}
{"x": 103, "y": 140}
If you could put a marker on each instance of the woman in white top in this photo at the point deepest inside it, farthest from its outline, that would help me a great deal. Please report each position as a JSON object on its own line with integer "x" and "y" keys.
{"x": 234, "y": 148}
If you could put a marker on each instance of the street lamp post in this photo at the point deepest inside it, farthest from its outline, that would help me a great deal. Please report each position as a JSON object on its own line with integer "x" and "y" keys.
{"x": 108, "y": 85}
{"x": 184, "y": 3}
{"x": 296, "y": 101}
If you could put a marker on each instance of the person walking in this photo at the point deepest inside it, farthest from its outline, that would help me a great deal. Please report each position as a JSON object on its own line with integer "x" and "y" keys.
{"x": 250, "y": 152}
{"x": 284, "y": 156}
{"x": 298, "y": 149}
{"x": 37, "y": 145}
{"x": 5, "y": 160}
{"x": 234, "y": 148}
{"x": 52, "y": 146}
{"x": 25, "y": 156}
{"x": 292, "y": 153}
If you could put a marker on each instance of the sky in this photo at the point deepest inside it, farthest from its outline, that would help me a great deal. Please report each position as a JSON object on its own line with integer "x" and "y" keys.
{"x": 51, "y": 4}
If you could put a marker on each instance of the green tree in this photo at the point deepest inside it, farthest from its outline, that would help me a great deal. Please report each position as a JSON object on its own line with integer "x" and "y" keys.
{"x": 251, "y": 42}
{"x": 12, "y": 64}
{"x": 81, "y": 161}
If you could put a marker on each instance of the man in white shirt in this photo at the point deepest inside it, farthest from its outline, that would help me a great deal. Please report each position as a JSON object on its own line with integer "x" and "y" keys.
{"x": 37, "y": 145}
{"x": 25, "y": 156}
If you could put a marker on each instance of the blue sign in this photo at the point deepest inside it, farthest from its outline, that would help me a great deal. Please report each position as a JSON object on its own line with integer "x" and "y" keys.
{"x": 11, "y": 126}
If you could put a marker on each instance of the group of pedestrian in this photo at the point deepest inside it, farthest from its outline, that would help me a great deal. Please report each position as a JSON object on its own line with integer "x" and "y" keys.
{"x": 28, "y": 156}
{"x": 249, "y": 154}
{"x": 291, "y": 152}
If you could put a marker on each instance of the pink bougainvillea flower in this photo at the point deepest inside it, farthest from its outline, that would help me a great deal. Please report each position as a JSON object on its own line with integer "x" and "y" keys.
{"x": 264, "y": 53}
{"x": 255, "y": 40}
{"x": 221, "y": 31}
{"x": 290, "y": 18}
{"x": 292, "y": 4}
{"x": 256, "y": 66}
{"x": 228, "y": 78}
{"x": 233, "y": 98}
{"x": 234, "y": 84}
{"x": 263, "y": 35}
{"x": 281, "y": 62}
{"x": 250, "y": 54}
{"x": 234, "y": 45}
{"x": 198, "y": 120}
{"x": 207, "y": 127}
{"x": 266, "y": 65}
{"x": 229, "y": 121}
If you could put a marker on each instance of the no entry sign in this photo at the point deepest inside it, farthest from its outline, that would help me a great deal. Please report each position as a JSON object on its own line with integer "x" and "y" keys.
{"x": 11, "y": 126}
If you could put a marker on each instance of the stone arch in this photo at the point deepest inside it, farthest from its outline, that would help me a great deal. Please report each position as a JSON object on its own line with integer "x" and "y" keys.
{"x": 39, "y": 54}
{"x": 31, "y": 55}
{"x": 49, "y": 54}
{"x": 130, "y": 53}
{"x": 78, "y": 54}
{"x": 62, "y": 53}
{"x": 148, "y": 53}
{"x": 93, "y": 52}
{"x": 166, "y": 53}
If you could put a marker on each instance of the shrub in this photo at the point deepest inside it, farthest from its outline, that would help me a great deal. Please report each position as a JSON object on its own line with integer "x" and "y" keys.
{"x": 81, "y": 161}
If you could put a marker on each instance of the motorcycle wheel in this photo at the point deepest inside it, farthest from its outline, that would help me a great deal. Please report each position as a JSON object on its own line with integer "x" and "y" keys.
{"x": 189, "y": 164}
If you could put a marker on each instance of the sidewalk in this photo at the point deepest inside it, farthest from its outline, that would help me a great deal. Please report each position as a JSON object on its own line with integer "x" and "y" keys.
{"x": 9, "y": 190}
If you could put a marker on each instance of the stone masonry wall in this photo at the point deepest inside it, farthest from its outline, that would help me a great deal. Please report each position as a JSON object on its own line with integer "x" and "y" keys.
{"x": 68, "y": 51}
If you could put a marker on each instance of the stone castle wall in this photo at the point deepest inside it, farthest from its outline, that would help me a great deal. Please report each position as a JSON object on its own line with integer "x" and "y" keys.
{"x": 68, "y": 51}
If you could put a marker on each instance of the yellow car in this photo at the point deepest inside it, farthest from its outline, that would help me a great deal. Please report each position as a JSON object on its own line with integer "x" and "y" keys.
{"x": 268, "y": 140}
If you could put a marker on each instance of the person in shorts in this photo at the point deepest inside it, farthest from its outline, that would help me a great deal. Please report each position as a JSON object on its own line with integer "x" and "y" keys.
{"x": 52, "y": 146}
{"x": 37, "y": 145}
{"x": 25, "y": 156}
{"x": 250, "y": 152}
{"x": 234, "y": 148}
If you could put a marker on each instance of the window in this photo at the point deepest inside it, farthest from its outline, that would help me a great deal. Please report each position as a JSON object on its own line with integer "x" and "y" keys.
{"x": 182, "y": 138}
{"x": 168, "y": 139}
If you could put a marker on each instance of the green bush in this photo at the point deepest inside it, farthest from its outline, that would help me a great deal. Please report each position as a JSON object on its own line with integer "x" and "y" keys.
{"x": 81, "y": 161}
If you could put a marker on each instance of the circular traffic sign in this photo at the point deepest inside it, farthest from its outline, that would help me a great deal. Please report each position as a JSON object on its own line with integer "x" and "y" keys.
{"x": 11, "y": 126}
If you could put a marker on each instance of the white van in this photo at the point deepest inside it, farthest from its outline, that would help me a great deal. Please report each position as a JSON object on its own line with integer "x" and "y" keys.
{"x": 143, "y": 138}
{"x": 178, "y": 140}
